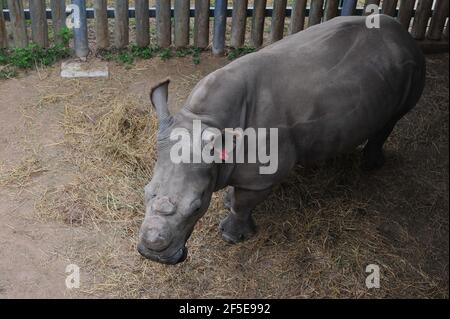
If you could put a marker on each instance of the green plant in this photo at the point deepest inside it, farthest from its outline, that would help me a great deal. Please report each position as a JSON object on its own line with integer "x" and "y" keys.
{"x": 238, "y": 52}
{"x": 143, "y": 53}
{"x": 165, "y": 54}
{"x": 31, "y": 55}
{"x": 125, "y": 57}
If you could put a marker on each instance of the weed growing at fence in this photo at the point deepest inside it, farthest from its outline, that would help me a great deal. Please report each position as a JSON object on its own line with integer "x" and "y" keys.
{"x": 33, "y": 55}
{"x": 236, "y": 53}
{"x": 128, "y": 56}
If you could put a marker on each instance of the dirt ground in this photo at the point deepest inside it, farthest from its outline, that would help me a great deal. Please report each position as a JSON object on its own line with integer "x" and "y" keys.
{"x": 317, "y": 232}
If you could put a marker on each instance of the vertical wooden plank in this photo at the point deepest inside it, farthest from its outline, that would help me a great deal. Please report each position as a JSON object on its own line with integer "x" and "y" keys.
{"x": 39, "y": 28}
{"x": 405, "y": 12}
{"x": 17, "y": 18}
{"x": 239, "y": 20}
{"x": 58, "y": 18}
{"x": 3, "y": 33}
{"x": 101, "y": 24}
{"x": 331, "y": 9}
{"x": 181, "y": 23}
{"x": 298, "y": 16}
{"x": 278, "y": 16}
{"x": 163, "y": 23}
{"x": 220, "y": 20}
{"x": 201, "y": 24}
{"x": 121, "y": 38}
{"x": 142, "y": 23}
{"x": 348, "y": 7}
{"x": 259, "y": 8}
{"x": 389, "y": 7}
{"x": 315, "y": 13}
{"x": 420, "y": 23}
{"x": 440, "y": 14}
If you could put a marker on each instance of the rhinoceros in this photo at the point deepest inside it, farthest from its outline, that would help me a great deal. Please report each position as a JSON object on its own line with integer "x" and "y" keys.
{"x": 328, "y": 90}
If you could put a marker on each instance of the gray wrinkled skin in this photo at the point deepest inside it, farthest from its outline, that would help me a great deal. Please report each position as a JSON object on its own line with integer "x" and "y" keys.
{"x": 327, "y": 89}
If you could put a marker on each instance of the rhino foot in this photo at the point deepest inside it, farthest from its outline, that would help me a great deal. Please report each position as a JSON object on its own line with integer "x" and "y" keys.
{"x": 236, "y": 230}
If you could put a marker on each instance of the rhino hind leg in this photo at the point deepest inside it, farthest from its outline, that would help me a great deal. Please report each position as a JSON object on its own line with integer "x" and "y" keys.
{"x": 373, "y": 155}
{"x": 239, "y": 225}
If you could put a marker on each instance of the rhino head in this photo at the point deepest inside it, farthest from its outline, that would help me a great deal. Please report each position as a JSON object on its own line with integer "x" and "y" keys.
{"x": 178, "y": 194}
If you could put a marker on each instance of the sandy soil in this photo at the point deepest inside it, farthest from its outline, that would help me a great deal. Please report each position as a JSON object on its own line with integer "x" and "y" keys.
{"x": 35, "y": 249}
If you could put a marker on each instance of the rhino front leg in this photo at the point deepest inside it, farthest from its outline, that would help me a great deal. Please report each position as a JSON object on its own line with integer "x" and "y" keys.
{"x": 227, "y": 197}
{"x": 239, "y": 224}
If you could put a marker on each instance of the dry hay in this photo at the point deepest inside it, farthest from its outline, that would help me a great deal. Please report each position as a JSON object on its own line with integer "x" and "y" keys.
{"x": 317, "y": 232}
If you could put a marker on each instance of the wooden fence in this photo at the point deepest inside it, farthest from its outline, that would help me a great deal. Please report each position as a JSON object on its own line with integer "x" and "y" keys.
{"x": 425, "y": 19}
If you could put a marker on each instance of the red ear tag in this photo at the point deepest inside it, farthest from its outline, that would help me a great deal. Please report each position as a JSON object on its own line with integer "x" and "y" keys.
{"x": 223, "y": 155}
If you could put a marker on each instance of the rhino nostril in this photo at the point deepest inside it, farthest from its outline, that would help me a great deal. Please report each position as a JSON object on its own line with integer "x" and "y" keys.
{"x": 156, "y": 240}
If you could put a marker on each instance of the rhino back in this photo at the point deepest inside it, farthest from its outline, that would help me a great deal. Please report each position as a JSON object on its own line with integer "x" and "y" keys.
{"x": 333, "y": 85}
{"x": 326, "y": 89}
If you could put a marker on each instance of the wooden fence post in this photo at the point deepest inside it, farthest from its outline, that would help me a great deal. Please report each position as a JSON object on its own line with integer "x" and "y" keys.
{"x": 348, "y": 7}
{"x": 440, "y": 14}
{"x": 181, "y": 23}
{"x": 39, "y": 28}
{"x": 121, "y": 38}
{"x": 238, "y": 24}
{"x": 331, "y": 9}
{"x": 315, "y": 13}
{"x": 298, "y": 16}
{"x": 3, "y": 33}
{"x": 220, "y": 20}
{"x": 278, "y": 16}
{"x": 259, "y": 8}
{"x": 389, "y": 7}
{"x": 101, "y": 24}
{"x": 405, "y": 12}
{"x": 58, "y": 18}
{"x": 420, "y": 23}
{"x": 142, "y": 23}
{"x": 17, "y": 18}
{"x": 201, "y": 24}
{"x": 163, "y": 23}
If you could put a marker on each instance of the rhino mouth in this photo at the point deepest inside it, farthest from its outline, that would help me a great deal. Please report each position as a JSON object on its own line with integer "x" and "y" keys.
{"x": 179, "y": 256}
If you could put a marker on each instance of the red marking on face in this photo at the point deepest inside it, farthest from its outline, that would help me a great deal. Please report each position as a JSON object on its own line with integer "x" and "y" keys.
{"x": 223, "y": 155}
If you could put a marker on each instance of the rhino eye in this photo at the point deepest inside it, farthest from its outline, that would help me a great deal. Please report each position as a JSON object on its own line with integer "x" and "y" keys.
{"x": 196, "y": 204}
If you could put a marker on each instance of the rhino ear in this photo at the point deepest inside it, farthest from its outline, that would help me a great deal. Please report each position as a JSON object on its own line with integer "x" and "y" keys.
{"x": 159, "y": 94}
